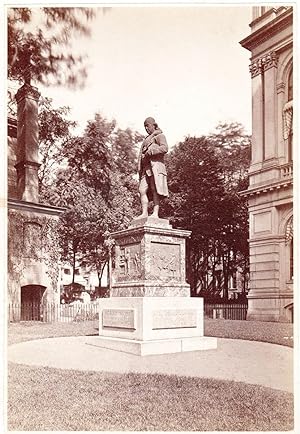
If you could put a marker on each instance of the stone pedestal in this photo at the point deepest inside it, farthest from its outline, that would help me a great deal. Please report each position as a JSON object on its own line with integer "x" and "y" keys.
{"x": 150, "y": 310}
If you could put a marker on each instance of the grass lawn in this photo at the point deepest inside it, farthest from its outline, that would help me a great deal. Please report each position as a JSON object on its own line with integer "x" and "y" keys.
{"x": 67, "y": 400}
{"x": 273, "y": 332}
{"x": 47, "y": 399}
{"x": 276, "y": 333}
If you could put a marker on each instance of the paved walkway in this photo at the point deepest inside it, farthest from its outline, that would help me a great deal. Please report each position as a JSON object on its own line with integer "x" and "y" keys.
{"x": 238, "y": 360}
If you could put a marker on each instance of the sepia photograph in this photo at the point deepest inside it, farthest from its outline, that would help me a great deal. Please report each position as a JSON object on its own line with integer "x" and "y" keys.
{"x": 148, "y": 217}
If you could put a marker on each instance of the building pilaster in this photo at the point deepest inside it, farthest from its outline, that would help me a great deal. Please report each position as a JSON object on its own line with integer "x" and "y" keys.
{"x": 270, "y": 62}
{"x": 256, "y": 70}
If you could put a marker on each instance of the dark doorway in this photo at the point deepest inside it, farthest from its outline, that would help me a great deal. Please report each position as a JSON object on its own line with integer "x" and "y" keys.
{"x": 31, "y": 297}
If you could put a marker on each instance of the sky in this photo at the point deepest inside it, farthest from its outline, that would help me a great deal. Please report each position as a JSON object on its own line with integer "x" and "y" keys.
{"x": 182, "y": 65}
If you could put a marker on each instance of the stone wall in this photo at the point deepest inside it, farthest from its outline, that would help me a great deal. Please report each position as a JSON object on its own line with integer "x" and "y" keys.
{"x": 32, "y": 253}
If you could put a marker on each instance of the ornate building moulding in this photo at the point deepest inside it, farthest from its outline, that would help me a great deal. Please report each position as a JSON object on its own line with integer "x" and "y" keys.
{"x": 264, "y": 63}
{"x": 270, "y": 60}
{"x": 264, "y": 33}
{"x": 255, "y": 68}
{"x": 267, "y": 189}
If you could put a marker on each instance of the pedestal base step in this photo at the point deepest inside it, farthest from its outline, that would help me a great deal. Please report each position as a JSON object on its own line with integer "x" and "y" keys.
{"x": 161, "y": 346}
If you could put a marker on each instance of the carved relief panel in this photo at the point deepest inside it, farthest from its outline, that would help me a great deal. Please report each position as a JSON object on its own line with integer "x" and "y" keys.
{"x": 165, "y": 261}
{"x": 129, "y": 262}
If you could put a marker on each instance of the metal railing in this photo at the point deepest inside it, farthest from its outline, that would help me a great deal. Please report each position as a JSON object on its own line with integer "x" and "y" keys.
{"x": 51, "y": 312}
{"x": 226, "y": 311}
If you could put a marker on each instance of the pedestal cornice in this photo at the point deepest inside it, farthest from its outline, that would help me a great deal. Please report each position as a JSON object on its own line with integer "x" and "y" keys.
{"x": 151, "y": 226}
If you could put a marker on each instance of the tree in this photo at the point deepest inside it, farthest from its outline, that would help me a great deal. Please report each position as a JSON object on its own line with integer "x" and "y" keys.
{"x": 98, "y": 189}
{"x": 83, "y": 222}
{"x": 232, "y": 145}
{"x": 204, "y": 197}
{"x": 121, "y": 196}
{"x": 90, "y": 155}
{"x": 194, "y": 200}
{"x": 39, "y": 44}
{"x": 54, "y": 134}
{"x": 124, "y": 150}
{"x": 124, "y": 155}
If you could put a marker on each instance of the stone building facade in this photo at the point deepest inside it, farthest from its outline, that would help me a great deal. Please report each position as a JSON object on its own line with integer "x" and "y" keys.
{"x": 270, "y": 191}
{"x": 32, "y": 258}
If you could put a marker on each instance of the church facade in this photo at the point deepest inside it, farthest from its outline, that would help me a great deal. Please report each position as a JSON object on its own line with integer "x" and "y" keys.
{"x": 270, "y": 191}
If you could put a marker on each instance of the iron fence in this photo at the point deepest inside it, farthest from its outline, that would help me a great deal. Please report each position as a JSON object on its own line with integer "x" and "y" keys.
{"x": 226, "y": 310}
{"x": 52, "y": 312}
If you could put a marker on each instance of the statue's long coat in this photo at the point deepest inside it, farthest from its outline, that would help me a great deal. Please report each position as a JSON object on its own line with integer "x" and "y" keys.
{"x": 156, "y": 148}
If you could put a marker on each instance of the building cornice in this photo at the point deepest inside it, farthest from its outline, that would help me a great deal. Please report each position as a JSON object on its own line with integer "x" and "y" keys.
{"x": 264, "y": 239}
{"x": 270, "y": 29}
{"x": 264, "y": 189}
{"x": 34, "y": 207}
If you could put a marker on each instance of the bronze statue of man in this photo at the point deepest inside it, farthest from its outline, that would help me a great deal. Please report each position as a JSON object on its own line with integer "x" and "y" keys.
{"x": 152, "y": 169}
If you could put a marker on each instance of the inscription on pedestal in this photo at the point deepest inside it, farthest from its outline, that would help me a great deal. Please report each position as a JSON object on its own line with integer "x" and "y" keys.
{"x": 119, "y": 318}
{"x": 174, "y": 318}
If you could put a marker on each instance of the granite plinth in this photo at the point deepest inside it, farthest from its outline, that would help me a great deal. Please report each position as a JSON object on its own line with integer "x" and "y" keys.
{"x": 164, "y": 346}
{"x": 151, "y": 318}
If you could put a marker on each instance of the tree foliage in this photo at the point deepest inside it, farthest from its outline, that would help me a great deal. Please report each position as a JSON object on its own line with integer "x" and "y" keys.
{"x": 232, "y": 145}
{"x": 205, "y": 177}
{"x": 39, "y": 44}
{"x": 54, "y": 135}
{"x": 98, "y": 188}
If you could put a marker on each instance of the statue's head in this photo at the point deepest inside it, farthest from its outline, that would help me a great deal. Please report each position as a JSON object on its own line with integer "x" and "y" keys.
{"x": 150, "y": 125}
